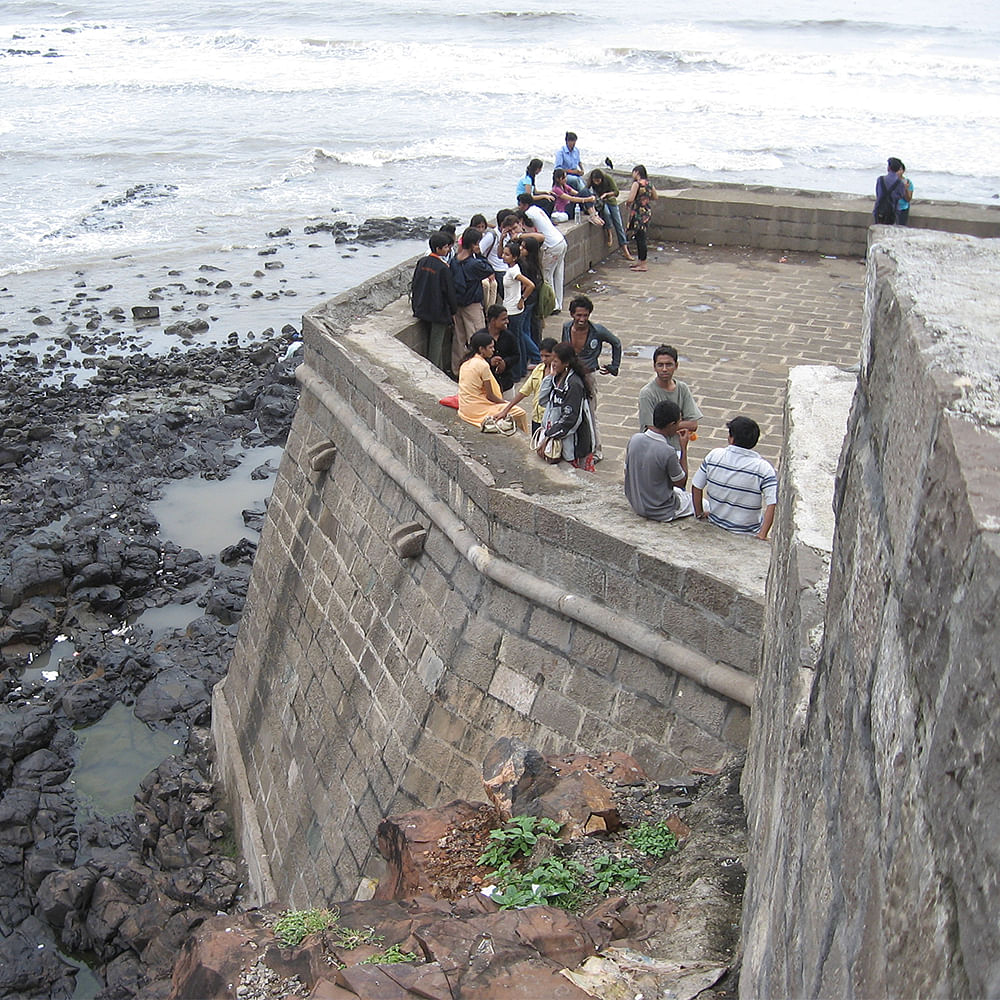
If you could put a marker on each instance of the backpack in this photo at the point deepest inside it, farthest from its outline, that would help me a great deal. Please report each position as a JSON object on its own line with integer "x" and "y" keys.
{"x": 546, "y": 300}
{"x": 885, "y": 208}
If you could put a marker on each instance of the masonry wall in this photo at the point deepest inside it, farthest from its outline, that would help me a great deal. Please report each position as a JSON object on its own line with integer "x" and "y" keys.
{"x": 796, "y": 221}
{"x": 366, "y": 682}
{"x": 871, "y": 782}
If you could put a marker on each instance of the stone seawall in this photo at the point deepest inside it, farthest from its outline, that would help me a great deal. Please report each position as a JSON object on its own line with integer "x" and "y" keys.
{"x": 795, "y": 221}
{"x": 873, "y": 853}
{"x": 421, "y": 589}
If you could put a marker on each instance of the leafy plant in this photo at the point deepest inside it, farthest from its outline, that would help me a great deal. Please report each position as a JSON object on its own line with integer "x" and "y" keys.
{"x": 294, "y": 925}
{"x": 552, "y": 882}
{"x": 652, "y": 839}
{"x": 609, "y": 871}
{"x": 516, "y": 839}
{"x": 349, "y": 939}
{"x": 393, "y": 955}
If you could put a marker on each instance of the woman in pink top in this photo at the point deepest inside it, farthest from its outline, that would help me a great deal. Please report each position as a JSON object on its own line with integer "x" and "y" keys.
{"x": 566, "y": 196}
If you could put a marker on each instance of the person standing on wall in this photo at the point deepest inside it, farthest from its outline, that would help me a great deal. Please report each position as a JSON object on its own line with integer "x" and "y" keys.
{"x": 432, "y": 297}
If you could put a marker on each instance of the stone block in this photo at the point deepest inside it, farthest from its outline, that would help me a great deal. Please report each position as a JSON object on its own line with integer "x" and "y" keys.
{"x": 514, "y": 689}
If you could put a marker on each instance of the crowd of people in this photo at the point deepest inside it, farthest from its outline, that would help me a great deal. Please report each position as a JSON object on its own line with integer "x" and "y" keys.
{"x": 485, "y": 297}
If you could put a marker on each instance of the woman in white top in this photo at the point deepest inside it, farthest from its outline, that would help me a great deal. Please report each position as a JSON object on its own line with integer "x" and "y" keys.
{"x": 516, "y": 289}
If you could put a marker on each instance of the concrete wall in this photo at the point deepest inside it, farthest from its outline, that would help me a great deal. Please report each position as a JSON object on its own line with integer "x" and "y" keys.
{"x": 872, "y": 777}
{"x": 365, "y": 682}
{"x": 779, "y": 219}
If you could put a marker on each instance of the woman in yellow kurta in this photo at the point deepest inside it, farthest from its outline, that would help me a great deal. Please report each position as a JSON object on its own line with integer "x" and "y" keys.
{"x": 478, "y": 391}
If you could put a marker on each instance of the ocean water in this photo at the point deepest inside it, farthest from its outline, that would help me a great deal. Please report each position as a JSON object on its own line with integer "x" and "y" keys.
{"x": 141, "y": 130}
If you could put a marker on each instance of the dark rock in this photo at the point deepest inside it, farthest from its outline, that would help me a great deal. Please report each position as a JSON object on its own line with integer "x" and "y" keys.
{"x": 33, "y": 571}
{"x": 63, "y": 892}
{"x": 170, "y": 694}
{"x": 145, "y": 312}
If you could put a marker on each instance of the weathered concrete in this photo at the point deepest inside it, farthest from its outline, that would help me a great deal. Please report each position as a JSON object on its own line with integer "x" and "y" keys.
{"x": 870, "y": 781}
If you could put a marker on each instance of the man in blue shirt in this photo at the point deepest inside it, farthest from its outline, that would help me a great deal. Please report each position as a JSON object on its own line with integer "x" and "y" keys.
{"x": 568, "y": 159}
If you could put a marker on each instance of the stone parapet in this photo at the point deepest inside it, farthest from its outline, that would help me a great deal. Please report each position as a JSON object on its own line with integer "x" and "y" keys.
{"x": 367, "y": 682}
{"x": 872, "y": 822}
{"x": 795, "y": 221}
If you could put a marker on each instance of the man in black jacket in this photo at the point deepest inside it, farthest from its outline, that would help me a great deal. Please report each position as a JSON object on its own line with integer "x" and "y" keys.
{"x": 432, "y": 294}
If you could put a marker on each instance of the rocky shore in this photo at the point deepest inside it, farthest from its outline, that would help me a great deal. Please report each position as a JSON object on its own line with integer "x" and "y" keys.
{"x": 95, "y": 423}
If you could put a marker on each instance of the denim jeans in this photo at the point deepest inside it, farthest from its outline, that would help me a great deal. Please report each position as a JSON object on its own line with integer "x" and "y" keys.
{"x": 613, "y": 217}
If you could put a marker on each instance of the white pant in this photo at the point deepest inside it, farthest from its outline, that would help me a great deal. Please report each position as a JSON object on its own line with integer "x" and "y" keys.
{"x": 554, "y": 269}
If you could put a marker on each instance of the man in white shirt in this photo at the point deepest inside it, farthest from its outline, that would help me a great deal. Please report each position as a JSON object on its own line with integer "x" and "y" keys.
{"x": 539, "y": 226}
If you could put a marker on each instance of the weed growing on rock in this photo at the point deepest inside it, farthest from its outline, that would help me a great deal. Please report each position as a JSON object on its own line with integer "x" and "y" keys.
{"x": 349, "y": 939}
{"x": 516, "y": 839}
{"x": 393, "y": 955}
{"x": 293, "y": 926}
{"x": 552, "y": 882}
{"x": 652, "y": 839}
{"x": 616, "y": 871}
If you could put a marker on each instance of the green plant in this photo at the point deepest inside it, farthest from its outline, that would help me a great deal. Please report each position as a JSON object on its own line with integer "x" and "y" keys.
{"x": 393, "y": 955}
{"x": 515, "y": 839}
{"x": 652, "y": 839}
{"x": 609, "y": 871}
{"x": 552, "y": 882}
{"x": 294, "y": 925}
{"x": 349, "y": 939}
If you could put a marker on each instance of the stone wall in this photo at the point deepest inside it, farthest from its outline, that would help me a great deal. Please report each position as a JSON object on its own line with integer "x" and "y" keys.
{"x": 367, "y": 680}
{"x": 796, "y": 221}
{"x": 873, "y": 850}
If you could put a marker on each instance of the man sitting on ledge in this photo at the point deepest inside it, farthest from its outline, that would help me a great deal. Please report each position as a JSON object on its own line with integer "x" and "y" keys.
{"x": 655, "y": 475}
{"x": 734, "y": 484}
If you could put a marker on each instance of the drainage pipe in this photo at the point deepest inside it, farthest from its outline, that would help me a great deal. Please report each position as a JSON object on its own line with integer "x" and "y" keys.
{"x": 727, "y": 681}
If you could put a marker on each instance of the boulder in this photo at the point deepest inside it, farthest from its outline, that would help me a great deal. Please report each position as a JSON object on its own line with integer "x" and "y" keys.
{"x": 510, "y": 769}
{"x": 578, "y": 801}
{"x": 63, "y": 892}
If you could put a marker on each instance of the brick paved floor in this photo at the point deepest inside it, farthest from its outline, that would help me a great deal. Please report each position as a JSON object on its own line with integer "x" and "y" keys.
{"x": 739, "y": 319}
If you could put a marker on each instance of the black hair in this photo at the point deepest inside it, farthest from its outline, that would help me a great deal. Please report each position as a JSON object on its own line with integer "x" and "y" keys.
{"x": 548, "y": 344}
{"x": 524, "y": 199}
{"x": 477, "y": 340}
{"x": 570, "y": 137}
{"x": 895, "y": 164}
{"x": 641, "y": 171}
{"x": 565, "y": 353}
{"x": 744, "y": 432}
{"x": 558, "y": 174}
{"x": 439, "y": 241}
{"x": 665, "y": 412}
{"x": 581, "y": 302}
{"x": 449, "y": 228}
{"x": 502, "y": 214}
{"x": 497, "y": 309}
{"x": 477, "y": 220}
{"x": 471, "y": 238}
{"x": 665, "y": 349}
{"x": 533, "y": 167}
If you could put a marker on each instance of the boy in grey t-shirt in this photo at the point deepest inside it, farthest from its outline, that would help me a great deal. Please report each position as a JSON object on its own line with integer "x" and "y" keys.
{"x": 655, "y": 475}
{"x": 664, "y": 387}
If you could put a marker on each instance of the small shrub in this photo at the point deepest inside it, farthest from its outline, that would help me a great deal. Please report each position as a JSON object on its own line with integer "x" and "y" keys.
{"x": 610, "y": 871}
{"x": 393, "y": 955}
{"x": 652, "y": 839}
{"x": 553, "y": 882}
{"x": 294, "y": 925}
{"x": 516, "y": 839}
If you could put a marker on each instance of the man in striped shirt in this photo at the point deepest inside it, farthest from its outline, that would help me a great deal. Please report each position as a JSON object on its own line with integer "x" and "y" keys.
{"x": 735, "y": 488}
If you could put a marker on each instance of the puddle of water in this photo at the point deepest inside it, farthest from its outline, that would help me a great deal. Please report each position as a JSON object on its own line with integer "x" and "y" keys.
{"x": 45, "y": 666}
{"x": 205, "y": 514}
{"x": 87, "y": 984}
{"x": 160, "y": 621}
{"x": 117, "y": 753}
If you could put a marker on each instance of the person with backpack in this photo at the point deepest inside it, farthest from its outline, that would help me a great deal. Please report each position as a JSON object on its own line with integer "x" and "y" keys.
{"x": 888, "y": 190}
